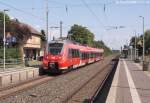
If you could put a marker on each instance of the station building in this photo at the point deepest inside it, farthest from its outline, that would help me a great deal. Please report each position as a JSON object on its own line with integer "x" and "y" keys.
{"x": 31, "y": 48}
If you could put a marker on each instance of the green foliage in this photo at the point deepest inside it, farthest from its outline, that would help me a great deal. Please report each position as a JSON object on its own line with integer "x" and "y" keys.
{"x": 84, "y": 36}
{"x": 101, "y": 44}
{"x": 2, "y": 25}
{"x": 139, "y": 43}
{"x": 147, "y": 42}
{"x": 81, "y": 34}
{"x": 20, "y": 31}
{"x": 43, "y": 37}
{"x": 10, "y": 53}
{"x": 7, "y": 18}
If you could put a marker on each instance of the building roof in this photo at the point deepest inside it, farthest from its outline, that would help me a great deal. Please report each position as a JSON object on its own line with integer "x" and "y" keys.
{"x": 32, "y": 29}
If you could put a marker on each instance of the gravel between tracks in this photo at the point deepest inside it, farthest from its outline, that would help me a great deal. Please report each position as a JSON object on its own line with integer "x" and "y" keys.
{"x": 86, "y": 93}
{"x": 56, "y": 90}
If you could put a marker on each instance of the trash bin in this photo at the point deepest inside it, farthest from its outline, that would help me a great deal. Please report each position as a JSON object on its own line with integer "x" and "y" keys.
{"x": 26, "y": 61}
{"x": 136, "y": 60}
{"x": 145, "y": 65}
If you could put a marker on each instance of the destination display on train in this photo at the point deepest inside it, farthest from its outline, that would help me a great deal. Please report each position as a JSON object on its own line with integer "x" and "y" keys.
{"x": 55, "y": 45}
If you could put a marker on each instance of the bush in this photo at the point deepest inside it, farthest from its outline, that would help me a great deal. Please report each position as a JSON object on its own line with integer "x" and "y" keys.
{"x": 10, "y": 53}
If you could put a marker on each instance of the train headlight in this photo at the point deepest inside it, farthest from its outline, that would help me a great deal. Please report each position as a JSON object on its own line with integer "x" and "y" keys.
{"x": 47, "y": 57}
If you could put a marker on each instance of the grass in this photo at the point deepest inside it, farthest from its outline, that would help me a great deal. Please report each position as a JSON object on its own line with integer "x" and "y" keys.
{"x": 34, "y": 63}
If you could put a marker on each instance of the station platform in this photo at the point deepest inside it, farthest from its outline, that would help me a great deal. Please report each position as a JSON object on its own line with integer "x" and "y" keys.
{"x": 130, "y": 84}
{"x": 16, "y": 75}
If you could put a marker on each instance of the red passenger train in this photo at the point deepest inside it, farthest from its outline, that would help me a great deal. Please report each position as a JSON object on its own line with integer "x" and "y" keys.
{"x": 64, "y": 55}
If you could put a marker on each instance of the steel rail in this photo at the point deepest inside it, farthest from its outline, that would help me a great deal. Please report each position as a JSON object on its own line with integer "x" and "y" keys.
{"x": 103, "y": 82}
{"x": 84, "y": 84}
{"x": 12, "y": 90}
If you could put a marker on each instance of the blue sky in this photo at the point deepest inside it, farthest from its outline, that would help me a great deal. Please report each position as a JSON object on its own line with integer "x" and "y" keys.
{"x": 117, "y": 13}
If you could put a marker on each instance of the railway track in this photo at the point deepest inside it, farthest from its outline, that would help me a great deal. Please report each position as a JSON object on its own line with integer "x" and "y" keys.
{"x": 76, "y": 95}
{"x": 10, "y": 90}
{"x": 109, "y": 75}
{"x": 86, "y": 83}
{"x": 13, "y": 89}
{"x": 60, "y": 88}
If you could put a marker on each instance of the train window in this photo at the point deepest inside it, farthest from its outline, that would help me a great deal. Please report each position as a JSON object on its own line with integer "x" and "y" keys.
{"x": 77, "y": 53}
{"x": 87, "y": 55}
{"x": 82, "y": 55}
{"x": 55, "y": 48}
{"x": 91, "y": 55}
{"x": 73, "y": 53}
{"x": 69, "y": 53}
{"x": 72, "y": 50}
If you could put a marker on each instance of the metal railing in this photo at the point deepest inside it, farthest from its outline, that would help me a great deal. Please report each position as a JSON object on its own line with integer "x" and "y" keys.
{"x": 11, "y": 61}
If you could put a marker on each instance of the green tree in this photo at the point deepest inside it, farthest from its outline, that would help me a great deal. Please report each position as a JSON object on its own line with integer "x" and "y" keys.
{"x": 81, "y": 34}
{"x": 20, "y": 31}
{"x": 139, "y": 42}
{"x": 101, "y": 44}
{"x": 43, "y": 37}
{"x": 147, "y": 42}
{"x": 2, "y": 26}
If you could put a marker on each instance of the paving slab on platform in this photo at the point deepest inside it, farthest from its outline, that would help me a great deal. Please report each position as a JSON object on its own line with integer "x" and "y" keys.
{"x": 132, "y": 85}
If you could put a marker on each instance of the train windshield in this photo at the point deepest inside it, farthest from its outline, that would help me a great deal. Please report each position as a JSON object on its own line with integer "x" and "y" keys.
{"x": 55, "y": 48}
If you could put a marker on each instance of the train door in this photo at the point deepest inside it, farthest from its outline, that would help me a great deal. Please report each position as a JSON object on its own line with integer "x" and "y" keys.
{"x": 70, "y": 60}
{"x": 73, "y": 57}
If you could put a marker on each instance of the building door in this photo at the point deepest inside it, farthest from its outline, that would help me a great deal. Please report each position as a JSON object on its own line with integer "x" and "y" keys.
{"x": 34, "y": 54}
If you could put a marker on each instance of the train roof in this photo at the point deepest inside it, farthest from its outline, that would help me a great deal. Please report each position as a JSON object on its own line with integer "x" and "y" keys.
{"x": 78, "y": 45}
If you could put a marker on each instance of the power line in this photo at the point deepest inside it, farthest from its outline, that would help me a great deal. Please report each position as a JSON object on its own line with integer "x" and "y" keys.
{"x": 93, "y": 13}
{"x": 22, "y": 11}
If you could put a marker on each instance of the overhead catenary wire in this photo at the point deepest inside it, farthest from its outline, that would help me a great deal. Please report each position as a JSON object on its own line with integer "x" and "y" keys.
{"x": 92, "y": 12}
{"x": 22, "y": 11}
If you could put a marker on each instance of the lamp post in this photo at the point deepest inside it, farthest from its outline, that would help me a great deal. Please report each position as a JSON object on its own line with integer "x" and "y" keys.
{"x": 4, "y": 40}
{"x": 61, "y": 29}
{"x": 135, "y": 46}
{"x": 143, "y": 38}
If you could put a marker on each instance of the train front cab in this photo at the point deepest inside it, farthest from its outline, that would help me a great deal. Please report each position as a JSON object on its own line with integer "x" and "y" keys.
{"x": 52, "y": 58}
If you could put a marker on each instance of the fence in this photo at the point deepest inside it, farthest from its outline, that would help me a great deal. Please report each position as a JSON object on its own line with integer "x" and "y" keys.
{"x": 147, "y": 63}
{"x": 11, "y": 61}
{"x": 12, "y": 52}
{"x": 12, "y": 56}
